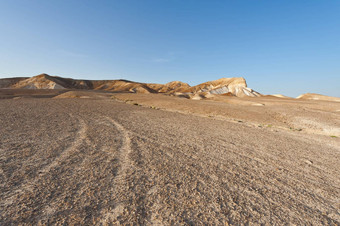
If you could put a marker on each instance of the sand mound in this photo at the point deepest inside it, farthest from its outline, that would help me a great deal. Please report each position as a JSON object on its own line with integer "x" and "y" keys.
{"x": 279, "y": 95}
{"x": 83, "y": 94}
{"x": 70, "y": 94}
{"x": 314, "y": 96}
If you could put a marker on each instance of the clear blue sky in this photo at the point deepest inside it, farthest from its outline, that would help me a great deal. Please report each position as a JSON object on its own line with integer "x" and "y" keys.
{"x": 287, "y": 47}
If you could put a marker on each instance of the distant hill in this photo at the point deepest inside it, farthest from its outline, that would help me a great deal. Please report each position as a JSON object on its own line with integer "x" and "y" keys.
{"x": 227, "y": 86}
{"x": 9, "y": 82}
{"x": 314, "y": 96}
{"x": 222, "y": 87}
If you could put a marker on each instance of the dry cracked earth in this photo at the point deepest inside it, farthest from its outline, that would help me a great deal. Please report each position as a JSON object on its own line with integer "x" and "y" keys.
{"x": 101, "y": 161}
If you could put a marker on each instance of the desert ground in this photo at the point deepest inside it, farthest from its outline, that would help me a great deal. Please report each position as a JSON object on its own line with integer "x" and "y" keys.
{"x": 87, "y": 157}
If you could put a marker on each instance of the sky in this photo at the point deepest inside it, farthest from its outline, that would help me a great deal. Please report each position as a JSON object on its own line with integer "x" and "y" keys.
{"x": 279, "y": 47}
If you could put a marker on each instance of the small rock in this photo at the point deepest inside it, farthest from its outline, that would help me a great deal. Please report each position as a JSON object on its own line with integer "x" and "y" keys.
{"x": 309, "y": 162}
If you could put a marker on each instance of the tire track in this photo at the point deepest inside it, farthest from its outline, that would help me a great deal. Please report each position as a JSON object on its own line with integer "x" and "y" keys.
{"x": 126, "y": 164}
{"x": 28, "y": 186}
{"x": 139, "y": 166}
{"x": 79, "y": 140}
{"x": 124, "y": 151}
{"x": 93, "y": 135}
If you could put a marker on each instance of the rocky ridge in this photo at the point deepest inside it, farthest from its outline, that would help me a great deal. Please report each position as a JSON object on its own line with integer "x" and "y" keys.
{"x": 224, "y": 86}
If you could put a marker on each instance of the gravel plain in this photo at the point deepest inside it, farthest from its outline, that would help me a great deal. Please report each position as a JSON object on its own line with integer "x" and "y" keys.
{"x": 101, "y": 161}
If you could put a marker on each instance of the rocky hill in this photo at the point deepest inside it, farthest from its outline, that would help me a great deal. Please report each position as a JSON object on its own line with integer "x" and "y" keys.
{"x": 232, "y": 86}
{"x": 9, "y": 82}
{"x": 226, "y": 86}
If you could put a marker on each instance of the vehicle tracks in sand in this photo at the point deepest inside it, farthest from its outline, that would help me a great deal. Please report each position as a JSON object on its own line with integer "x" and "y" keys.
{"x": 121, "y": 154}
{"x": 28, "y": 186}
{"x": 125, "y": 149}
{"x": 119, "y": 164}
{"x": 79, "y": 140}
{"x": 125, "y": 171}
{"x": 86, "y": 147}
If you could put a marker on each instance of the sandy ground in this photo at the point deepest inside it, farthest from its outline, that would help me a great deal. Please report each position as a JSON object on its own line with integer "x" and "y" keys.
{"x": 305, "y": 116}
{"x": 101, "y": 160}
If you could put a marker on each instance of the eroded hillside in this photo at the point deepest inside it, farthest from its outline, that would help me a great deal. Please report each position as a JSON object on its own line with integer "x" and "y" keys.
{"x": 227, "y": 86}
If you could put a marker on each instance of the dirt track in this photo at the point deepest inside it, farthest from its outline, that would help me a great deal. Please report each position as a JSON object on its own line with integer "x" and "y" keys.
{"x": 85, "y": 161}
